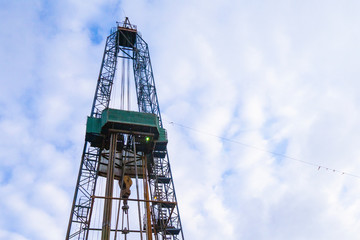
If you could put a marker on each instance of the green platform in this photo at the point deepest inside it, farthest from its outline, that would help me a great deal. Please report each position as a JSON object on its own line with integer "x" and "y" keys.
{"x": 145, "y": 124}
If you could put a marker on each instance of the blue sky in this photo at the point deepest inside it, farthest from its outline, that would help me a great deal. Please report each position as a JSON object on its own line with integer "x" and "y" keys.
{"x": 277, "y": 76}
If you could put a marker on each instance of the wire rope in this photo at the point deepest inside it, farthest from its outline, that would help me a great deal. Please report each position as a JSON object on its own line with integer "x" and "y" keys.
{"x": 128, "y": 84}
{"x": 318, "y": 166}
{"x": 123, "y": 84}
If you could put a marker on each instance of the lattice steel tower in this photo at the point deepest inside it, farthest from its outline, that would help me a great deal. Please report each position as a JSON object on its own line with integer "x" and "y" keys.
{"x": 125, "y": 188}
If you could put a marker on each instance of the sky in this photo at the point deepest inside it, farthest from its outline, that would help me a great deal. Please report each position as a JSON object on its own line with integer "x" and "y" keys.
{"x": 237, "y": 81}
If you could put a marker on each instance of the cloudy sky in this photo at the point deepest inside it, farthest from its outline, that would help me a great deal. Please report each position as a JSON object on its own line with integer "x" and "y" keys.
{"x": 237, "y": 81}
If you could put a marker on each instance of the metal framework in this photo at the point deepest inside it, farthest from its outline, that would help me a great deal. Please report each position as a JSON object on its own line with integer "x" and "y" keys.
{"x": 122, "y": 156}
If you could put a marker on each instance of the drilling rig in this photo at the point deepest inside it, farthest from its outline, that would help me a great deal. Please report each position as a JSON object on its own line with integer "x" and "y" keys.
{"x": 125, "y": 188}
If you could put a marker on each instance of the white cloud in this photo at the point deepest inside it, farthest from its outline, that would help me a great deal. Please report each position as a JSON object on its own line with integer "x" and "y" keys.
{"x": 11, "y": 236}
{"x": 272, "y": 75}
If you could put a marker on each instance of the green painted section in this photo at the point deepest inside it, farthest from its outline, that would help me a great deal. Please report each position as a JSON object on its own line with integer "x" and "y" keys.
{"x": 162, "y": 135}
{"x": 93, "y": 125}
{"x": 129, "y": 118}
{"x": 127, "y": 121}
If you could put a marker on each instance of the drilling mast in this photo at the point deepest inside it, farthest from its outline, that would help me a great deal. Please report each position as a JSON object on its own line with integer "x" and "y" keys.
{"x": 125, "y": 188}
